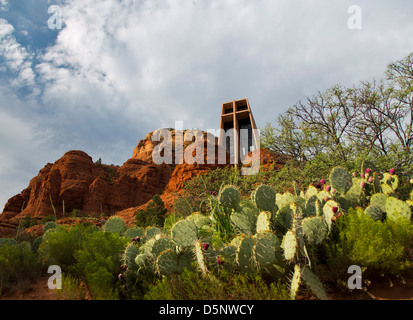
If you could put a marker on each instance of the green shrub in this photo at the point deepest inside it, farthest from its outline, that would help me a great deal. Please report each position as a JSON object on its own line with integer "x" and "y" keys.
{"x": 17, "y": 263}
{"x": 192, "y": 286}
{"x": 71, "y": 289}
{"x": 154, "y": 214}
{"x": 59, "y": 245}
{"x": 98, "y": 262}
{"x": 376, "y": 246}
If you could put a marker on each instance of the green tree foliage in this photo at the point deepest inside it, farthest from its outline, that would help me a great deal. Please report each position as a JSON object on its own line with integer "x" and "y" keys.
{"x": 373, "y": 119}
{"x": 154, "y": 214}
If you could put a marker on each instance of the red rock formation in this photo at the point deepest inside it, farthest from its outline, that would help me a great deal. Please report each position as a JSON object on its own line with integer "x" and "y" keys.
{"x": 75, "y": 182}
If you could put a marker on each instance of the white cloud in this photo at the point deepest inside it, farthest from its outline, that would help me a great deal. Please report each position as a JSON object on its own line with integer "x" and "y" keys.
{"x": 17, "y": 58}
{"x": 4, "y": 5}
{"x": 119, "y": 69}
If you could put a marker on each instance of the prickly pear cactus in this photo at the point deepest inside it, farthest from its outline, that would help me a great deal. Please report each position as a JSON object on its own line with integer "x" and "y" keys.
{"x": 264, "y": 252}
{"x": 330, "y": 209}
{"x": 295, "y": 282}
{"x": 49, "y": 225}
{"x": 144, "y": 262}
{"x": 115, "y": 225}
{"x": 290, "y": 246}
{"x": 134, "y": 232}
{"x": 374, "y": 212}
{"x": 313, "y": 283}
{"x": 391, "y": 179}
{"x": 315, "y": 229}
{"x": 244, "y": 254}
{"x": 265, "y": 198}
{"x": 340, "y": 180}
{"x": 397, "y": 209}
{"x": 230, "y": 197}
{"x": 151, "y": 232}
{"x": 264, "y": 222}
{"x": 161, "y": 245}
{"x": 184, "y": 233}
{"x": 167, "y": 262}
{"x": 243, "y": 221}
{"x": 129, "y": 255}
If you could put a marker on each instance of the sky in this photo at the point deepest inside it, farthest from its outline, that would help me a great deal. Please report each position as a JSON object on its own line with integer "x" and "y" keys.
{"x": 98, "y": 75}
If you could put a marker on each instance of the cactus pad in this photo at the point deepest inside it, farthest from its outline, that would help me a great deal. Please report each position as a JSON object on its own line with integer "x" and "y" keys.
{"x": 265, "y": 198}
{"x": 313, "y": 283}
{"x": 115, "y": 225}
{"x": 374, "y": 212}
{"x": 340, "y": 180}
{"x": 184, "y": 233}
{"x": 230, "y": 197}
{"x": 396, "y": 209}
{"x": 134, "y": 232}
{"x": 243, "y": 221}
{"x": 315, "y": 229}
{"x": 167, "y": 262}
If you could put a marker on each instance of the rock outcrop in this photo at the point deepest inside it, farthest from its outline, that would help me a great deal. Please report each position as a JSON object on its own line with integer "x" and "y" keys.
{"x": 76, "y": 184}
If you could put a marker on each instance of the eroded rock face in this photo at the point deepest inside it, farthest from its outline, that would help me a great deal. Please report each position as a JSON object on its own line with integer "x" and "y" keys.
{"x": 76, "y": 183}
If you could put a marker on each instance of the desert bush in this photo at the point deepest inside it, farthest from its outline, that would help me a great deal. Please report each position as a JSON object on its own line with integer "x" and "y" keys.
{"x": 98, "y": 262}
{"x": 17, "y": 263}
{"x": 59, "y": 245}
{"x": 71, "y": 288}
{"x": 191, "y": 285}
{"x": 377, "y": 247}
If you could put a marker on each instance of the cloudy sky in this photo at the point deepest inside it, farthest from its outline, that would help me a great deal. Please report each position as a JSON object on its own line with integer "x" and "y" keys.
{"x": 118, "y": 69}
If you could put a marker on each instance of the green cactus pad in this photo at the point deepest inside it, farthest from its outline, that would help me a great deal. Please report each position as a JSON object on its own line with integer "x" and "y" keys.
{"x": 49, "y": 225}
{"x": 167, "y": 262}
{"x": 345, "y": 204}
{"x": 286, "y": 199}
{"x": 391, "y": 179}
{"x": 311, "y": 191}
{"x": 283, "y": 219}
{"x": 228, "y": 254}
{"x": 194, "y": 216}
{"x": 310, "y": 206}
{"x": 374, "y": 212}
{"x": 328, "y": 212}
{"x": 290, "y": 246}
{"x": 265, "y": 198}
{"x": 397, "y": 209}
{"x": 151, "y": 232}
{"x": 161, "y": 245}
{"x": 200, "y": 258}
{"x": 263, "y": 222}
{"x": 203, "y": 221}
{"x": 275, "y": 242}
{"x": 370, "y": 165}
{"x": 315, "y": 229}
{"x": 264, "y": 252}
{"x": 134, "y": 232}
{"x": 230, "y": 197}
{"x": 313, "y": 283}
{"x": 244, "y": 254}
{"x": 184, "y": 233}
{"x": 243, "y": 221}
{"x": 36, "y": 244}
{"x": 379, "y": 199}
{"x": 340, "y": 180}
{"x": 147, "y": 246}
{"x": 129, "y": 255}
{"x": 185, "y": 260}
{"x": 115, "y": 225}
{"x": 295, "y": 282}
{"x": 144, "y": 262}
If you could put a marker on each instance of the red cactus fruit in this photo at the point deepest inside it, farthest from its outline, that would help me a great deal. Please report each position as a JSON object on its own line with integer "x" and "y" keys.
{"x": 205, "y": 246}
{"x": 354, "y": 174}
{"x": 370, "y": 179}
{"x": 368, "y": 170}
{"x": 335, "y": 209}
{"x": 328, "y": 188}
{"x": 322, "y": 181}
{"x": 220, "y": 261}
{"x": 392, "y": 171}
{"x": 362, "y": 176}
{"x": 362, "y": 184}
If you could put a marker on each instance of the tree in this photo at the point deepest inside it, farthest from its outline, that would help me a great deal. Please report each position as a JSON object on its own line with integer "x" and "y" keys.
{"x": 153, "y": 215}
{"x": 373, "y": 118}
